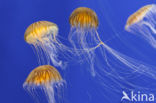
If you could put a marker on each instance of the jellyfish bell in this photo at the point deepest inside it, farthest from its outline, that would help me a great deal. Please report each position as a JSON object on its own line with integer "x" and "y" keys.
{"x": 138, "y": 15}
{"x": 143, "y": 23}
{"x": 43, "y": 75}
{"x": 43, "y": 36}
{"x": 36, "y": 31}
{"x": 46, "y": 78}
{"x": 84, "y": 17}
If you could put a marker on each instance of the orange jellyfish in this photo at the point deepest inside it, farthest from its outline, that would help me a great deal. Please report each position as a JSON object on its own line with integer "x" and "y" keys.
{"x": 83, "y": 34}
{"x": 46, "y": 78}
{"x": 43, "y": 36}
{"x": 143, "y": 23}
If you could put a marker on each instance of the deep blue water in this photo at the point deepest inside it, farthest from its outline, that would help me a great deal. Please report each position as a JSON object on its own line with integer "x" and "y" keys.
{"x": 17, "y": 58}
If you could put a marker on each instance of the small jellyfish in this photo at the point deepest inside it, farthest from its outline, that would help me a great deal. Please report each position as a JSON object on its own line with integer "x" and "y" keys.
{"x": 143, "y": 23}
{"x": 83, "y": 34}
{"x": 43, "y": 36}
{"x": 46, "y": 78}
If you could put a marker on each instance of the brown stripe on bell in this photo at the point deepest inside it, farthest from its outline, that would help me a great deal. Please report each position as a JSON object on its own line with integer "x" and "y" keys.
{"x": 83, "y": 17}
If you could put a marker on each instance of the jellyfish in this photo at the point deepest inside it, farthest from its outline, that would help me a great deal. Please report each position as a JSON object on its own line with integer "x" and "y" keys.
{"x": 47, "y": 79}
{"x": 142, "y": 23}
{"x": 43, "y": 36}
{"x": 104, "y": 61}
{"x": 82, "y": 36}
